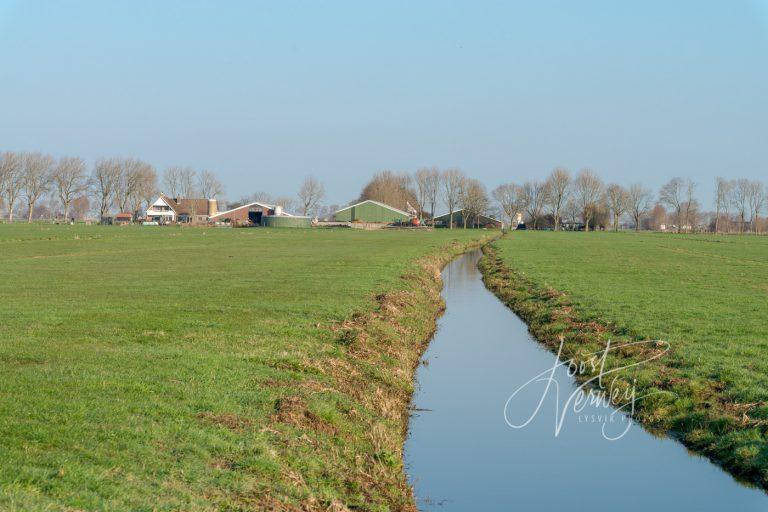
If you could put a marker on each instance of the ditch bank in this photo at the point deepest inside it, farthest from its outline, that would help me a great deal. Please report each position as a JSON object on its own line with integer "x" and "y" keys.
{"x": 372, "y": 371}
{"x": 698, "y": 415}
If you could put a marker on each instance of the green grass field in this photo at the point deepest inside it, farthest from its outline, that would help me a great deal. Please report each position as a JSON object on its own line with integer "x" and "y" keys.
{"x": 706, "y": 295}
{"x": 204, "y": 369}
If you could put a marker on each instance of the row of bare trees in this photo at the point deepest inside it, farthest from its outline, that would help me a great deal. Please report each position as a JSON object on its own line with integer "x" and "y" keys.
{"x": 563, "y": 198}
{"x": 125, "y": 184}
{"x": 186, "y": 182}
{"x": 738, "y": 205}
{"x": 26, "y": 178}
{"x": 585, "y": 198}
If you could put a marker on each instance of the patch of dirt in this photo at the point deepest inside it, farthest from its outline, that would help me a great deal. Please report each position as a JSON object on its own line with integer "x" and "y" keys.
{"x": 293, "y": 410}
{"x": 229, "y": 421}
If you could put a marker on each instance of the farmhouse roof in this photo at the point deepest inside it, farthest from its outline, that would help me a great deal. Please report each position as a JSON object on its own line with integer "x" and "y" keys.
{"x": 182, "y": 206}
{"x": 192, "y": 206}
{"x": 375, "y": 202}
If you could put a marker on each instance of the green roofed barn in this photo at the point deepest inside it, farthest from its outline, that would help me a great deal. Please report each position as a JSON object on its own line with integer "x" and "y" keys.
{"x": 472, "y": 221}
{"x": 371, "y": 211}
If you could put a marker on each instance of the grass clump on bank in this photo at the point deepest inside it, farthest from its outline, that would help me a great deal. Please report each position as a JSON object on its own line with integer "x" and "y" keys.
{"x": 705, "y": 295}
{"x": 210, "y": 369}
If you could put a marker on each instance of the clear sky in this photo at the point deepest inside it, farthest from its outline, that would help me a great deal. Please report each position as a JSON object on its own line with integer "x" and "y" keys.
{"x": 268, "y": 93}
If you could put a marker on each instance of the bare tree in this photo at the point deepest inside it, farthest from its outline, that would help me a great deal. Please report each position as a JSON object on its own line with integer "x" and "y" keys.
{"x": 740, "y": 199}
{"x": 533, "y": 198}
{"x": 671, "y": 194}
{"x": 572, "y": 210}
{"x": 310, "y": 194}
{"x": 172, "y": 180}
{"x": 473, "y": 200}
{"x": 426, "y": 188}
{"x": 756, "y": 201}
{"x": 617, "y": 200}
{"x": 187, "y": 183}
{"x": 209, "y": 185}
{"x": 37, "y": 179}
{"x": 144, "y": 189}
{"x": 70, "y": 180}
{"x": 131, "y": 173}
{"x": 557, "y": 189}
{"x": 691, "y": 205}
{"x": 434, "y": 180}
{"x": 722, "y": 200}
{"x": 452, "y": 181}
{"x": 588, "y": 189}
{"x": 104, "y": 182}
{"x": 639, "y": 202}
{"x": 390, "y": 188}
{"x": 80, "y": 206}
{"x": 509, "y": 196}
{"x": 287, "y": 203}
{"x": 11, "y": 179}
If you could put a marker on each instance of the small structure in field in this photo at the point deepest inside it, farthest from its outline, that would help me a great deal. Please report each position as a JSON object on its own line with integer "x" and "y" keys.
{"x": 167, "y": 210}
{"x": 122, "y": 218}
{"x": 472, "y": 220}
{"x": 371, "y": 211}
{"x": 251, "y": 214}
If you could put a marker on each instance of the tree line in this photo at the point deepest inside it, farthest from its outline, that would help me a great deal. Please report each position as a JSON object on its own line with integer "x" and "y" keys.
{"x": 582, "y": 201}
{"x": 70, "y": 190}
{"x": 38, "y": 184}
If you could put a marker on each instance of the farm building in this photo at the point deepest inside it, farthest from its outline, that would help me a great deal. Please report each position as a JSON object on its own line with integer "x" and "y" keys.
{"x": 250, "y": 214}
{"x": 123, "y": 218}
{"x": 371, "y": 211}
{"x": 473, "y": 221}
{"x": 189, "y": 211}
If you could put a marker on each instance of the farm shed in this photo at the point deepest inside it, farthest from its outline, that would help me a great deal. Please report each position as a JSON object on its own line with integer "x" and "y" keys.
{"x": 251, "y": 213}
{"x": 123, "y": 218}
{"x": 479, "y": 221}
{"x": 371, "y": 211}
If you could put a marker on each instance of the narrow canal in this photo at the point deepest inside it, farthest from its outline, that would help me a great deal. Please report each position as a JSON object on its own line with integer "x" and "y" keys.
{"x": 462, "y": 455}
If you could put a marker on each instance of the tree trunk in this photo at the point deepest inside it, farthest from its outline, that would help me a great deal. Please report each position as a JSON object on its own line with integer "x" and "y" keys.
{"x": 717, "y": 220}
{"x": 31, "y": 210}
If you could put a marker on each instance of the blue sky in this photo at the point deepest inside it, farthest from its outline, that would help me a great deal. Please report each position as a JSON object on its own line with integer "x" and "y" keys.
{"x": 268, "y": 93}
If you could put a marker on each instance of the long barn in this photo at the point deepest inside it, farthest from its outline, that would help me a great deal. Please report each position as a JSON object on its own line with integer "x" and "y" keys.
{"x": 371, "y": 211}
{"x": 473, "y": 221}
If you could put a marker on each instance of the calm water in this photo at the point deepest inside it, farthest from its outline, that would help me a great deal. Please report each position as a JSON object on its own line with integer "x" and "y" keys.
{"x": 462, "y": 456}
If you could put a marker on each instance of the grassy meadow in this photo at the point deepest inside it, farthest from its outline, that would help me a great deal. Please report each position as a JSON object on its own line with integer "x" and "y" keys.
{"x": 210, "y": 369}
{"x": 706, "y": 295}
